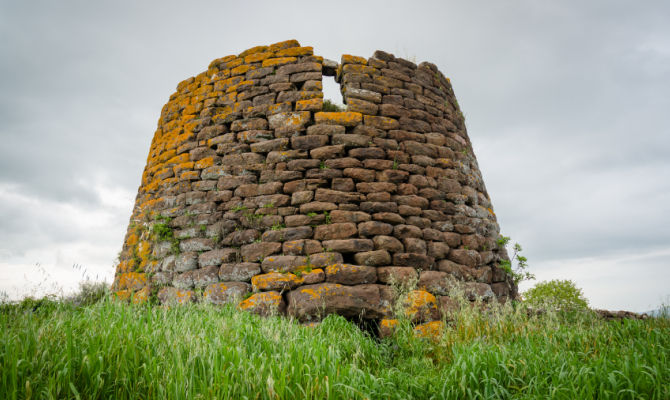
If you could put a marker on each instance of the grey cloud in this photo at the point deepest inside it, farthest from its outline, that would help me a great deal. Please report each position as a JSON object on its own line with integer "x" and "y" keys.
{"x": 566, "y": 102}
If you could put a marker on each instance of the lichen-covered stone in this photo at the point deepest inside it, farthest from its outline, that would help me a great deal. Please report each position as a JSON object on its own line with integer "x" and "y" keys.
{"x": 247, "y": 175}
{"x": 225, "y": 292}
{"x": 275, "y": 281}
{"x": 264, "y": 303}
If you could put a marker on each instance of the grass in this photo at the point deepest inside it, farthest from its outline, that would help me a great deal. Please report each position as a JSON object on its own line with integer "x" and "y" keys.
{"x": 106, "y": 349}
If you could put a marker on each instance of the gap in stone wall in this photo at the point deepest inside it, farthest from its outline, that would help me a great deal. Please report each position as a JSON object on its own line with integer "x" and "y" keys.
{"x": 331, "y": 90}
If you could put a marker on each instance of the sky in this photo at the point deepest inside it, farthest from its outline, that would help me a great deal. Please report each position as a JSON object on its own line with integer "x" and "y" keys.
{"x": 566, "y": 104}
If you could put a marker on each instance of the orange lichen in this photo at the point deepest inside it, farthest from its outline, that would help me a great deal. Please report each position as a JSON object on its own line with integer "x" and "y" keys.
{"x": 420, "y": 304}
{"x": 295, "y": 51}
{"x": 179, "y": 159}
{"x": 309, "y": 105}
{"x": 268, "y": 299}
{"x": 131, "y": 281}
{"x": 316, "y": 294}
{"x": 349, "y": 59}
{"x": 132, "y": 240}
{"x": 242, "y": 69}
{"x": 183, "y": 166}
{"x": 275, "y": 280}
{"x": 388, "y": 323}
{"x": 218, "y": 288}
{"x": 123, "y": 295}
{"x": 189, "y": 176}
{"x": 430, "y": 330}
{"x": 359, "y": 69}
{"x": 142, "y": 295}
{"x": 275, "y": 62}
{"x": 253, "y": 50}
{"x": 204, "y": 163}
{"x": 283, "y": 45}
{"x": 256, "y": 57}
{"x": 339, "y": 118}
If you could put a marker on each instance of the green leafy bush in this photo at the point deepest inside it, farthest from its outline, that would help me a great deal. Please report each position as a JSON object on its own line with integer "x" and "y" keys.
{"x": 329, "y": 106}
{"x": 517, "y": 265}
{"x": 558, "y": 295}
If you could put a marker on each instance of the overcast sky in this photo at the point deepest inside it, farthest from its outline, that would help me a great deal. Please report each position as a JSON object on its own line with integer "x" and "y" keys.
{"x": 566, "y": 103}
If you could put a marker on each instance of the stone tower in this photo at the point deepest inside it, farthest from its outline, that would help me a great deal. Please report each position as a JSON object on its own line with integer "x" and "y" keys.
{"x": 253, "y": 193}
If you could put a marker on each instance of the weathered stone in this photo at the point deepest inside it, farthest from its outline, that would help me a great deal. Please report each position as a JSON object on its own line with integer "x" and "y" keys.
{"x": 301, "y": 197}
{"x": 343, "y": 184}
{"x": 204, "y": 276}
{"x": 348, "y": 245}
{"x": 309, "y": 142}
{"x": 170, "y": 295}
{"x": 196, "y": 244}
{"x": 348, "y": 216}
{"x": 420, "y": 306}
{"x": 414, "y": 245}
{"x": 413, "y": 260}
{"x": 324, "y": 259}
{"x": 183, "y": 280}
{"x": 326, "y": 152}
{"x": 387, "y": 217}
{"x": 225, "y": 292}
{"x": 239, "y": 238}
{"x": 283, "y": 263}
{"x": 289, "y": 121}
{"x": 186, "y": 262}
{"x": 470, "y": 258}
{"x": 317, "y": 207}
{"x": 436, "y": 282}
{"x": 275, "y": 281}
{"x": 373, "y": 258}
{"x": 313, "y": 302}
{"x": 313, "y": 276}
{"x": 239, "y": 272}
{"x": 448, "y": 307}
{"x": 336, "y": 196}
{"x": 374, "y": 228}
{"x": 257, "y": 251}
{"x": 388, "y": 243}
{"x": 335, "y": 231}
{"x": 348, "y": 274}
{"x": 338, "y": 118}
{"x": 264, "y": 304}
{"x": 397, "y": 275}
{"x": 325, "y": 129}
{"x": 477, "y": 290}
{"x": 130, "y": 281}
{"x": 437, "y": 250}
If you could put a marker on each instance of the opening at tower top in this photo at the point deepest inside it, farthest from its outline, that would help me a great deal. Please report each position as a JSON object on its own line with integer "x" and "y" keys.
{"x": 331, "y": 91}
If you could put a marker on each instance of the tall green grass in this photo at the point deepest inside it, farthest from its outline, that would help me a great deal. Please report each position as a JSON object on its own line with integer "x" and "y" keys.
{"x": 56, "y": 350}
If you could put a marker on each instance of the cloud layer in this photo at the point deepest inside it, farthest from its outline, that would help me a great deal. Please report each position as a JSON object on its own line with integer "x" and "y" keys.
{"x": 566, "y": 105}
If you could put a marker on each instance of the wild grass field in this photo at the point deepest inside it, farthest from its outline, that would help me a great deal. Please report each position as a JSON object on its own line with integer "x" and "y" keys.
{"x": 107, "y": 349}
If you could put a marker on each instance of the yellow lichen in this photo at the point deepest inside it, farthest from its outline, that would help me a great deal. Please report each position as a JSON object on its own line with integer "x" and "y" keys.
{"x": 276, "y": 62}
{"x": 270, "y": 299}
{"x": 349, "y": 59}
{"x": 256, "y": 57}
{"x": 346, "y": 118}
{"x": 430, "y": 330}
{"x": 295, "y": 51}
{"x": 275, "y": 280}
{"x": 142, "y": 295}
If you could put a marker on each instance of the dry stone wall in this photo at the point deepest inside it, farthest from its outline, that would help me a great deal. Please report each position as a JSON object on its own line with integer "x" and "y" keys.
{"x": 255, "y": 195}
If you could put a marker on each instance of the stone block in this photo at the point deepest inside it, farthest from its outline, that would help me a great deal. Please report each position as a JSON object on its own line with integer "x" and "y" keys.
{"x": 225, "y": 292}
{"x": 348, "y": 274}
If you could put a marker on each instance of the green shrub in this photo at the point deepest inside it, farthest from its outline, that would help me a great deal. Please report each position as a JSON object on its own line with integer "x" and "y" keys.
{"x": 329, "y": 106}
{"x": 556, "y": 295}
